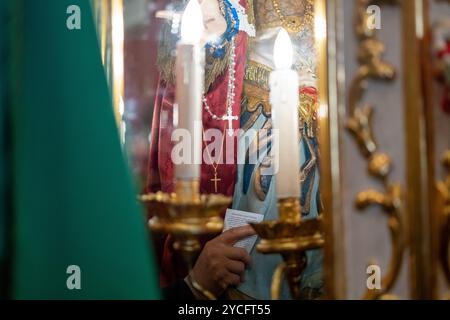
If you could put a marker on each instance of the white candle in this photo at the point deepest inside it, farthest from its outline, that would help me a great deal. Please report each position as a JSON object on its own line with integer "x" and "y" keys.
{"x": 284, "y": 97}
{"x": 189, "y": 87}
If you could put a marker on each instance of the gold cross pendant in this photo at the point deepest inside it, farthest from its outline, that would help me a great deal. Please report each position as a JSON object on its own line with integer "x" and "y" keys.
{"x": 215, "y": 180}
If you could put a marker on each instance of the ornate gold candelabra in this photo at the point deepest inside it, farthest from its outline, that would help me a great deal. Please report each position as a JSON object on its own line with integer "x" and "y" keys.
{"x": 188, "y": 217}
{"x": 291, "y": 237}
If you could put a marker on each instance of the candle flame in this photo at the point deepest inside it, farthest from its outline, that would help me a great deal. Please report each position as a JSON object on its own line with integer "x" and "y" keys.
{"x": 192, "y": 23}
{"x": 283, "y": 51}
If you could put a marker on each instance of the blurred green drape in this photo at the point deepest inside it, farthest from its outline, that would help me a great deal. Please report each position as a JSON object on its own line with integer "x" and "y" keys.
{"x": 73, "y": 200}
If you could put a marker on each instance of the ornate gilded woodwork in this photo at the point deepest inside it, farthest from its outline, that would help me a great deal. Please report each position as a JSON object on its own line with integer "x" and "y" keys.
{"x": 372, "y": 66}
{"x": 429, "y": 227}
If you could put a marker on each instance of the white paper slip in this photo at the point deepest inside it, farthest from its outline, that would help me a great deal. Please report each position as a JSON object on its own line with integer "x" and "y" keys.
{"x": 235, "y": 219}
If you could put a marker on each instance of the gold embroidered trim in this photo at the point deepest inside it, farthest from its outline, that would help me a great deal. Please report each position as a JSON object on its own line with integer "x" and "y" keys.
{"x": 257, "y": 96}
{"x": 250, "y": 12}
{"x": 258, "y": 101}
{"x": 294, "y": 15}
{"x": 295, "y": 24}
{"x": 258, "y": 74}
{"x": 300, "y": 26}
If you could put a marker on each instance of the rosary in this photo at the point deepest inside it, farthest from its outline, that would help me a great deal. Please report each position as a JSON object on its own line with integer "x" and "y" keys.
{"x": 229, "y": 117}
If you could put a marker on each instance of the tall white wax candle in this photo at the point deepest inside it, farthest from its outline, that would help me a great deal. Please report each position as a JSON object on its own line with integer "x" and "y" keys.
{"x": 284, "y": 98}
{"x": 189, "y": 88}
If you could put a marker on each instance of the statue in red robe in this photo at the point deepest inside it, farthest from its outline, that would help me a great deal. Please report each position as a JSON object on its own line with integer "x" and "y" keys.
{"x": 251, "y": 190}
{"x": 161, "y": 168}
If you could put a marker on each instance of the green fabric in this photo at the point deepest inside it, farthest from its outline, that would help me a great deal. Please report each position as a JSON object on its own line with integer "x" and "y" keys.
{"x": 74, "y": 203}
{"x": 3, "y": 66}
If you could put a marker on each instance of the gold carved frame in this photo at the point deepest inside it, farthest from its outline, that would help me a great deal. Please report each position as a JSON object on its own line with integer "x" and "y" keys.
{"x": 410, "y": 209}
{"x": 407, "y": 208}
{"x": 109, "y": 17}
{"x": 372, "y": 66}
{"x": 438, "y": 232}
{"x": 329, "y": 33}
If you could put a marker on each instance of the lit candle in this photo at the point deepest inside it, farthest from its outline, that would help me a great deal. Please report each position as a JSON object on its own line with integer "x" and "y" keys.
{"x": 189, "y": 87}
{"x": 284, "y": 97}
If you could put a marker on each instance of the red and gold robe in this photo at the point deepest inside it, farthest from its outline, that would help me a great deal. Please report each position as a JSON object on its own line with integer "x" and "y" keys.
{"x": 161, "y": 168}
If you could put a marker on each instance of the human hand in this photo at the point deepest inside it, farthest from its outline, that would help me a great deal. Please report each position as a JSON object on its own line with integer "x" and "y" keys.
{"x": 220, "y": 265}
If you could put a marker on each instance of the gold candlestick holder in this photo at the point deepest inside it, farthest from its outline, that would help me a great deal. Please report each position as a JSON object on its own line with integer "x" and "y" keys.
{"x": 291, "y": 237}
{"x": 188, "y": 217}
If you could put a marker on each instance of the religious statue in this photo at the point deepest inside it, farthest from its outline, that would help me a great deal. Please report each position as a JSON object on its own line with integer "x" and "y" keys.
{"x": 238, "y": 63}
{"x": 255, "y": 192}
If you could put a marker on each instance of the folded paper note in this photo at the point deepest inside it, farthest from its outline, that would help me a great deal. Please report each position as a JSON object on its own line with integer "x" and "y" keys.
{"x": 235, "y": 219}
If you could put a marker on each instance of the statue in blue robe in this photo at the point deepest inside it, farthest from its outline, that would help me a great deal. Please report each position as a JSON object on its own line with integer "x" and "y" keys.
{"x": 255, "y": 191}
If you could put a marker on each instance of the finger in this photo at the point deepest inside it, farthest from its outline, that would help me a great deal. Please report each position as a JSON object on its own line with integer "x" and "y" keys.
{"x": 236, "y": 267}
{"x": 237, "y": 254}
{"x": 222, "y": 277}
{"x": 233, "y": 279}
{"x": 232, "y": 236}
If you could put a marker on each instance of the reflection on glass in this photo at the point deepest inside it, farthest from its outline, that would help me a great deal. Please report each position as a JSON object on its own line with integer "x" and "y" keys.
{"x": 240, "y": 37}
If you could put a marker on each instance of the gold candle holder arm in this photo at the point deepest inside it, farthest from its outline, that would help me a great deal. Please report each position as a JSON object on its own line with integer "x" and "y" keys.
{"x": 277, "y": 281}
{"x": 188, "y": 217}
{"x": 291, "y": 237}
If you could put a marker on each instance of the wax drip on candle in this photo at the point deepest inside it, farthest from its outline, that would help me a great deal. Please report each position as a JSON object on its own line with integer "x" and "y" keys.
{"x": 192, "y": 23}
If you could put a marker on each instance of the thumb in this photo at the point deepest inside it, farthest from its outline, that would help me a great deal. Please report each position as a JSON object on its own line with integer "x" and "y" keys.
{"x": 230, "y": 237}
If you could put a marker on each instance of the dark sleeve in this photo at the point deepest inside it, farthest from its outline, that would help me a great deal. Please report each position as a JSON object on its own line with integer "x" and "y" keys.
{"x": 178, "y": 291}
